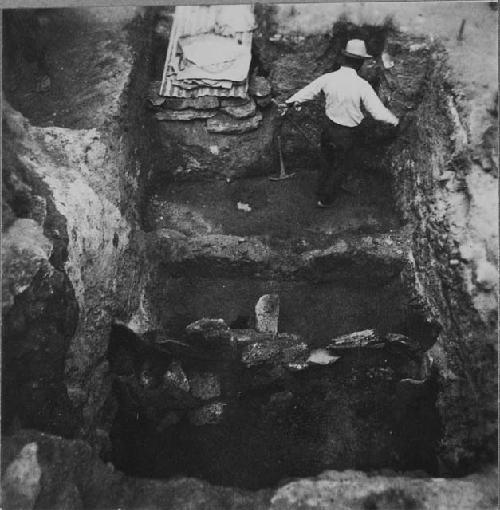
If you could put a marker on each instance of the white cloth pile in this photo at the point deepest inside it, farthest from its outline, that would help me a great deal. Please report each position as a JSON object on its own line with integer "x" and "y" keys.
{"x": 209, "y": 48}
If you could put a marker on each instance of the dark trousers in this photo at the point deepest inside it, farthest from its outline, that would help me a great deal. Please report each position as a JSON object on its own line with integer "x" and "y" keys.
{"x": 337, "y": 143}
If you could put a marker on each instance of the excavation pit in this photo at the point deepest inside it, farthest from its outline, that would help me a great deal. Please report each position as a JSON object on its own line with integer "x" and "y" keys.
{"x": 206, "y": 395}
{"x": 228, "y": 404}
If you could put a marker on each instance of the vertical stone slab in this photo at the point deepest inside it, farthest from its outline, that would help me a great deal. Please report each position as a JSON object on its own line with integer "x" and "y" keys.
{"x": 267, "y": 312}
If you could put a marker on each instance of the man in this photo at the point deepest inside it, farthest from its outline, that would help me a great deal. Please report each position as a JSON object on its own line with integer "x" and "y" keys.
{"x": 345, "y": 92}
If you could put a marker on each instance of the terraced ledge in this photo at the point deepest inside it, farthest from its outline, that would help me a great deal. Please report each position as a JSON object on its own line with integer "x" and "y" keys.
{"x": 381, "y": 255}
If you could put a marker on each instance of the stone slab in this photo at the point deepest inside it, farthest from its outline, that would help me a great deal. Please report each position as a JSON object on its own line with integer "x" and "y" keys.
{"x": 225, "y": 124}
{"x": 234, "y": 101}
{"x": 267, "y": 312}
{"x": 184, "y": 115}
{"x": 195, "y": 103}
{"x": 243, "y": 111}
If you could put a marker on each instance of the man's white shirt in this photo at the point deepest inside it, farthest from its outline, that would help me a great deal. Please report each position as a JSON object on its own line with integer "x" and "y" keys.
{"x": 345, "y": 91}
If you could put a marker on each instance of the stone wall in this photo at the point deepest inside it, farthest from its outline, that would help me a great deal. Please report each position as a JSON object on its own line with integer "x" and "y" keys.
{"x": 210, "y": 137}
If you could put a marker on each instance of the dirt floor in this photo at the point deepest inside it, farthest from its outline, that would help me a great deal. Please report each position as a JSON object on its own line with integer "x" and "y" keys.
{"x": 280, "y": 211}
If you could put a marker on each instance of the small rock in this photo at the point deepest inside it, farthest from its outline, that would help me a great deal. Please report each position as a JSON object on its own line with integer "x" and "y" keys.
{"x": 209, "y": 414}
{"x": 205, "y": 386}
{"x": 175, "y": 377}
{"x": 146, "y": 378}
{"x": 322, "y": 357}
{"x": 243, "y": 207}
{"x": 297, "y": 367}
{"x": 267, "y": 312}
{"x": 417, "y": 47}
{"x": 468, "y": 251}
{"x": 387, "y": 61}
{"x": 486, "y": 163}
{"x": 153, "y": 97}
{"x": 259, "y": 87}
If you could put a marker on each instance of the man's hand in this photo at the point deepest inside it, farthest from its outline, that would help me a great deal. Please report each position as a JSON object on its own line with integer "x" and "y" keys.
{"x": 283, "y": 108}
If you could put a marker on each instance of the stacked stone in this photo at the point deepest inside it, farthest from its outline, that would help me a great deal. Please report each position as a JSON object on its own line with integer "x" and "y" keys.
{"x": 224, "y": 115}
{"x": 202, "y": 392}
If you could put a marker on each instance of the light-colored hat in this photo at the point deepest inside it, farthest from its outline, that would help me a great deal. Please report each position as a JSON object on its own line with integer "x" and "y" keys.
{"x": 356, "y": 48}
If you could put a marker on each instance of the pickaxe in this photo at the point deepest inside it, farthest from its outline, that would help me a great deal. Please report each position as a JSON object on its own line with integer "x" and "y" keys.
{"x": 283, "y": 175}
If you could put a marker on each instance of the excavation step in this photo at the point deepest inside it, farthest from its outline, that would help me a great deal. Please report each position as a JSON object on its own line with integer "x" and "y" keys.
{"x": 280, "y": 210}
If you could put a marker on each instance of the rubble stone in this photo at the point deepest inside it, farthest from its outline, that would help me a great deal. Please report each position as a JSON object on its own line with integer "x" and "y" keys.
{"x": 283, "y": 349}
{"x": 153, "y": 97}
{"x": 175, "y": 378}
{"x": 357, "y": 340}
{"x": 259, "y": 86}
{"x": 205, "y": 386}
{"x": 209, "y": 414}
{"x": 213, "y": 332}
